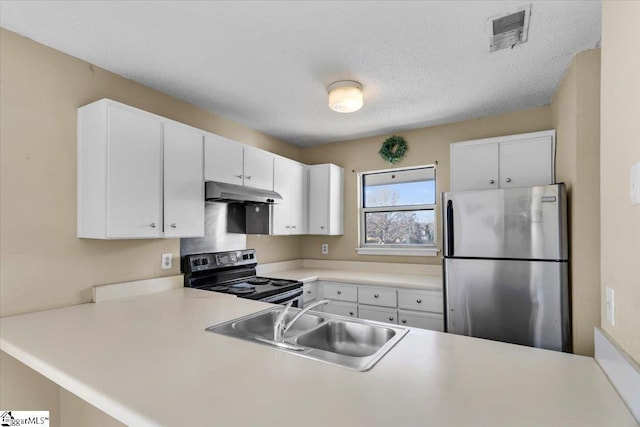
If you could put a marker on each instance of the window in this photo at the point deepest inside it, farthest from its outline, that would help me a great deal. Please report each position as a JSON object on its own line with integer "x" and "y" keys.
{"x": 397, "y": 212}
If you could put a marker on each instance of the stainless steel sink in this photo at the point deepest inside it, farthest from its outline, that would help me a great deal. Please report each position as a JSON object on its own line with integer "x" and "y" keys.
{"x": 347, "y": 338}
{"x": 343, "y": 341}
{"x": 262, "y": 324}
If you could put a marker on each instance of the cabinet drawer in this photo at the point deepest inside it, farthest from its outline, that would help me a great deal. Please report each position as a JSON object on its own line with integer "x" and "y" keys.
{"x": 380, "y": 314}
{"x": 340, "y": 291}
{"x": 420, "y": 300}
{"x": 309, "y": 292}
{"x": 342, "y": 309}
{"x": 380, "y": 297}
{"x": 432, "y": 321}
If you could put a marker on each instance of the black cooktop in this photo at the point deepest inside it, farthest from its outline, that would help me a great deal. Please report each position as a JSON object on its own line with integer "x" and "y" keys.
{"x": 253, "y": 288}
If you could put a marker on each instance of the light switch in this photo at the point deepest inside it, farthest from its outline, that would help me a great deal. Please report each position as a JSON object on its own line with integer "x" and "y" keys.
{"x": 635, "y": 183}
{"x": 609, "y": 306}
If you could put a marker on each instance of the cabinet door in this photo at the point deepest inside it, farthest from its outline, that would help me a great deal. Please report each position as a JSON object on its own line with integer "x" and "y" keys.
{"x": 474, "y": 166}
{"x": 183, "y": 183}
{"x": 526, "y": 162}
{"x": 258, "y": 169}
{"x": 435, "y": 322}
{"x": 342, "y": 309}
{"x": 298, "y": 196}
{"x": 377, "y": 296}
{"x": 319, "y": 200}
{"x": 222, "y": 160}
{"x": 340, "y": 291}
{"x": 283, "y": 175}
{"x": 379, "y": 314}
{"x": 134, "y": 195}
{"x": 420, "y": 300}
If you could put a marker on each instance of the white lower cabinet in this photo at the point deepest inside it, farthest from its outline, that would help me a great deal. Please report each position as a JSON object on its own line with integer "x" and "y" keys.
{"x": 349, "y": 309}
{"x": 409, "y": 307}
{"x": 380, "y": 314}
{"x": 309, "y": 293}
{"x": 433, "y": 321}
{"x": 339, "y": 291}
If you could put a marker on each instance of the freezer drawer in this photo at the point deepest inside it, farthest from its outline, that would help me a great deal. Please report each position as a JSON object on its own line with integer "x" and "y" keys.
{"x": 520, "y": 302}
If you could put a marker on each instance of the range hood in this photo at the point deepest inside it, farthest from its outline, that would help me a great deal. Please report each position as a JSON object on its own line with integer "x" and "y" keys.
{"x": 222, "y": 192}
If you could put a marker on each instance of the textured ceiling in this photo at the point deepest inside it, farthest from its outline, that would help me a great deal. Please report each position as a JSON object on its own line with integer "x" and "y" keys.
{"x": 267, "y": 64}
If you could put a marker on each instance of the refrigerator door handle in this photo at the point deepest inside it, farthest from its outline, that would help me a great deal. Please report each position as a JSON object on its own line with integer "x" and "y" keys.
{"x": 449, "y": 228}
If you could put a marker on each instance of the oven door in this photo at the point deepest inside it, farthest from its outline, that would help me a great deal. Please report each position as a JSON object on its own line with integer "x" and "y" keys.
{"x": 294, "y": 295}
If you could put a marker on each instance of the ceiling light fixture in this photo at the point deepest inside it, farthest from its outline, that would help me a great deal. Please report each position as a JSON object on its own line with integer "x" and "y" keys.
{"x": 345, "y": 96}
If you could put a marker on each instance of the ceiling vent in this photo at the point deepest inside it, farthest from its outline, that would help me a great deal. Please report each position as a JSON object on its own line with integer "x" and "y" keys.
{"x": 509, "y": 30}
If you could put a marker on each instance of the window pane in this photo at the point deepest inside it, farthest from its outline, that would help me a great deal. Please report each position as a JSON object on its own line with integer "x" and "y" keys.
{"x": 400, "y": 228}
{"x": 401, "y": 188}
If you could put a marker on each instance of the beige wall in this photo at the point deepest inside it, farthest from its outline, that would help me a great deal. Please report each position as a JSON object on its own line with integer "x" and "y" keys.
{"x": 43, "y": 264}
{"x": 620, "y": 148}
{"x": 575, "y": 112}
{"x": 426, "y": 146}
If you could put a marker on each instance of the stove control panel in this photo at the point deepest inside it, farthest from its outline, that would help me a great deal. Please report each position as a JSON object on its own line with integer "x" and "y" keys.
{"x": 218, "y": 260}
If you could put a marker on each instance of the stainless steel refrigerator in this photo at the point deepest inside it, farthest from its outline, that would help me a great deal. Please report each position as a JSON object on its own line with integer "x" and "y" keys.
{"x": 506, "y": 265}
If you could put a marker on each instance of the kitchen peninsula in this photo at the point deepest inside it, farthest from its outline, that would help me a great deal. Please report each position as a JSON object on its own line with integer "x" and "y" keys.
{"x": 147, "y": 360}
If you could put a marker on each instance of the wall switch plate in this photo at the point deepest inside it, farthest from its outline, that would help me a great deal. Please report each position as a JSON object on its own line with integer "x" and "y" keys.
{"x": 325, "y": 249}
{"x": 609, "y": 306}
{"x": 635, "y": 183}
{"x": 167, "y": 261}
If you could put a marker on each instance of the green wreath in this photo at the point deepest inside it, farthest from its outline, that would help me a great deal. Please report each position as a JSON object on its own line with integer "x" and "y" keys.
{"x": 393, "y": 149}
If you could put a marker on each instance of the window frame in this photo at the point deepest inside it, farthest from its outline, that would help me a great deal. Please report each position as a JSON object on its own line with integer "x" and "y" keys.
{"x": 390, "y": 249}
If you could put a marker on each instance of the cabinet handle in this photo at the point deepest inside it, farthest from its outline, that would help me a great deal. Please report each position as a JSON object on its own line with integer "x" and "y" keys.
{"x": 248, "y": 176}
{"x": 293, "y": 226}
{"x": 351, "y": 313}
{"x": 308, "y": 292}
{"x": 404, "y": 320}
{"x": 508, "y": 179}
{"x": 322, "y": 227}
{"x": 491, "y": 181}
{"x": 419, "y": 301}
{"x": 339, "y": 292}
{"x": 173, "y": 225}
{"x": 391, "y": 319}
{"x": 153, "y": 225}
{"x": 376, "y": 296}
{"x": 287, "y": 226}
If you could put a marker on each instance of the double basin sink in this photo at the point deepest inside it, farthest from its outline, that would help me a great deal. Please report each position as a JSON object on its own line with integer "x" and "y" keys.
{"x": 342, "y": 341}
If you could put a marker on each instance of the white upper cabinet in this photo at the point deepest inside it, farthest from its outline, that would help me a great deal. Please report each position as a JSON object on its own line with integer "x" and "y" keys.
{"x": 326, "y": 199}
{"x": 127, "y": 188}
{"x": 527, "y": 161}
{"x": 233, "y": 163}
{"x": 290, "y": 215}
{"x": 510, "y": 161}
{"x": 258, "y": 168}
{"x": 183, "y": 183}
{"x": 134, "y": 175}
{"x": 223, "y": 160}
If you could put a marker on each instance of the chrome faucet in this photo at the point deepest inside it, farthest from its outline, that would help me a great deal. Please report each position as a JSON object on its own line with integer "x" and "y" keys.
{"x": 279, "y": 326}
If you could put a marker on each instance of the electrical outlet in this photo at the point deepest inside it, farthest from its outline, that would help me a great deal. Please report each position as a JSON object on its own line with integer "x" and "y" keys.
{"x": 167, "y": 261}
{"x": 635, "y": 183}
{"x": 325, "y": 248}
{"x": 609, "y": 306}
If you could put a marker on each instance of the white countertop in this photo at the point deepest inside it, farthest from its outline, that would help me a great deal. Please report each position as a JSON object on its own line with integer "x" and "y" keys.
{"x": 396, "y": 280}
{"x": 147, "y": 360}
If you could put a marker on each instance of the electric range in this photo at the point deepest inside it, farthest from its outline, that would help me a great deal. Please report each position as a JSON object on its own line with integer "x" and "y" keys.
{"x": 234, "y": 272}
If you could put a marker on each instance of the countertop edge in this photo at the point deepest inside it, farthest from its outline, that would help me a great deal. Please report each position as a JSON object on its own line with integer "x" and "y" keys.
{"x": 109, "y": 406}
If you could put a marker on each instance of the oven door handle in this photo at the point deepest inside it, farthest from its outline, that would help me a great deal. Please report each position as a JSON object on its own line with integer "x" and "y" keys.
{"x": 283, "y": 297}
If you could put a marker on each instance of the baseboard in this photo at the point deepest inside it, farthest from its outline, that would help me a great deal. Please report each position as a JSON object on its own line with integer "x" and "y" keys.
{"x": 621, "y": 370}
